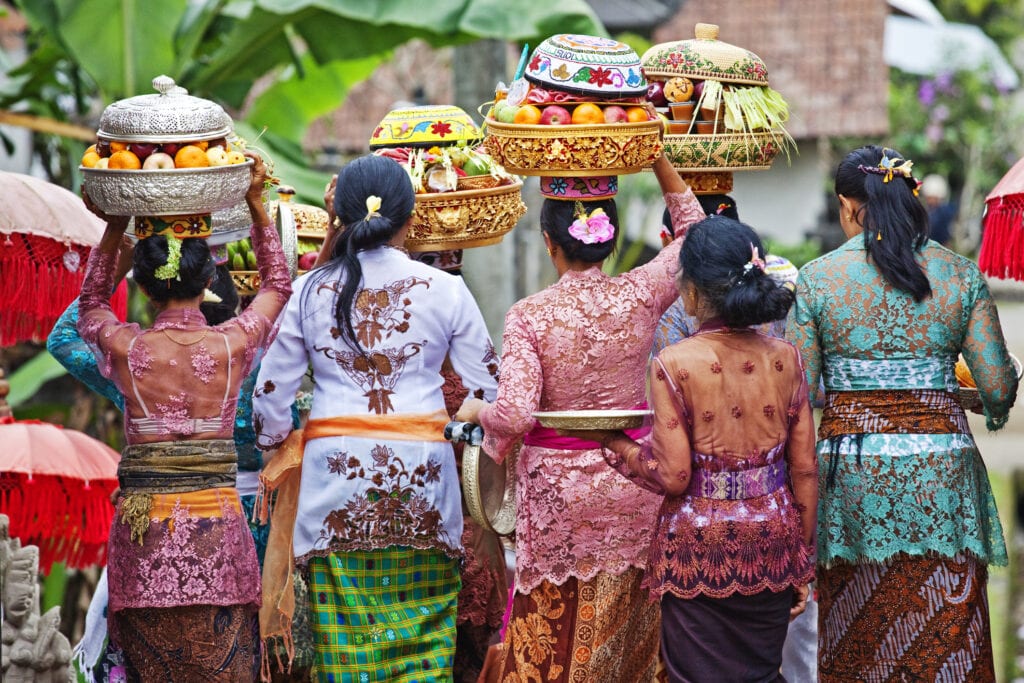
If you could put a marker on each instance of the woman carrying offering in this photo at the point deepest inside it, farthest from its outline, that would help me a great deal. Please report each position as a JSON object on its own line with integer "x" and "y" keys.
{"x": 907, "y": 519}
{"x": 379, "y": 520}
{"x": 732, "y": 452}
{"x": 182, "y": 572}
{"x": 582, "y": 531}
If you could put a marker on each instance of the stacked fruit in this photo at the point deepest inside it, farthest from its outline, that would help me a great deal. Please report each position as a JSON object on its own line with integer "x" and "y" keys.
{"x": 439, "y": 169}
{"x": 114, "y": 154}
{"x": 568, "y": 113}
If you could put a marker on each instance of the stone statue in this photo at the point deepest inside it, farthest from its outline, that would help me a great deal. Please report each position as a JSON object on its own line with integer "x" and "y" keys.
{"x": 33, "y": 649}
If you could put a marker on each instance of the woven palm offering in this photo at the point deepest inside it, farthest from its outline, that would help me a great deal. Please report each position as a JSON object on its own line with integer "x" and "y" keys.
{"x": 464, "y": 197}
{"x": 577, "y": 110}
{"x": 969, "y": 396}
{"x": 722, "y": 114}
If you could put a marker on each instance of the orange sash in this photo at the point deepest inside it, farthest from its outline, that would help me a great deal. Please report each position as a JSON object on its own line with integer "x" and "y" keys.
{"x": 283, "y": 474}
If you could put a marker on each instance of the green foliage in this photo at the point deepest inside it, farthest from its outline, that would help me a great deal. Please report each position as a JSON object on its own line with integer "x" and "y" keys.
{"x": 798, "y": 254}
{"x": 33, "y": 374}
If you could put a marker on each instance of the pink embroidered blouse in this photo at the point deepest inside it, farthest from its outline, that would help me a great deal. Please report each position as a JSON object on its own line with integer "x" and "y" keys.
{"x": 582, "y": 343}
{"x": 732, "y": 448}
{"x": 180, "y": 380}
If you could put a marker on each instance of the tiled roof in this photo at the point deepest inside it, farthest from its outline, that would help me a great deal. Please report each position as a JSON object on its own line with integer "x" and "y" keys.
{"x": 825, "y": 58}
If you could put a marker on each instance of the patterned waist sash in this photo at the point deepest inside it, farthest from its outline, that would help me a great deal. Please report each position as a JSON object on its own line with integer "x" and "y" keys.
{"x": 737, "y": 485}
{"x": 170, "y": 467}
{"x": 892, "y": 411}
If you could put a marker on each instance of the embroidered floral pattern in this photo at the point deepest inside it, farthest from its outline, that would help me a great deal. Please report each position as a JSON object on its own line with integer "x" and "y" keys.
{"x": 379, "y": 313}
{"x": 176, "y": 414}
{"x": 748, "y": 366}
{"x": 769, "y": 411}
{"x": 707, "y": 416}
{"x": 392, "y": 509}
{"x": 140, "y": 360}
{"x": 683, "y": 375}
{"x": 778, "y": 365}
{"x": 736, "y": 411}
{"x": 376, "y": 372}
{"x": 716, "y": 368}
{"x": 203, "y": 363}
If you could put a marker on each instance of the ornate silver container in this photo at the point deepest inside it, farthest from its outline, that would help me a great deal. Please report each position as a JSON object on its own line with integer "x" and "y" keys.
{"x": 172, "y": 116}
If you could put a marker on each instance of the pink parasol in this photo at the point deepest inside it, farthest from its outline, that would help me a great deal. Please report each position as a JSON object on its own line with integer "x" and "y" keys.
{"x": 55, "y": 485}
{"x": 1002, "y": 243}
{"x": 45, "y": 237}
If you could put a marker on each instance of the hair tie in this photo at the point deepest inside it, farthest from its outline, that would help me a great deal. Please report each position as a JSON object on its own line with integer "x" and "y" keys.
{"x": 372, "y": 207}
{"x": 595, "y": 228}
{"x": 170, "y": 269}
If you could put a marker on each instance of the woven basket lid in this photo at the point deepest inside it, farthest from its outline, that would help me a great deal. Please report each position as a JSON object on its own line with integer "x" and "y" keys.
{"x": 426, "y": 126}
{"x": 170, "y": 116}
{"x": 705, "y": 57}
{"x": 589, "y": 66}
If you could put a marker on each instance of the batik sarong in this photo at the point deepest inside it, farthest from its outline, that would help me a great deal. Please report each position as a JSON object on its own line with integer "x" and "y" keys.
{"x": 905, "y": 619}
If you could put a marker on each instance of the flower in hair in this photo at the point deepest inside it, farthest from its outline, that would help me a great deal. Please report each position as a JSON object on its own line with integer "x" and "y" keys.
{"x": 170, "y": 269}
{"x": 372, "y": 207}
{"x": 595, "y": 228}
{"x": 891, "y": 166}
{"x": 755, "y": 261}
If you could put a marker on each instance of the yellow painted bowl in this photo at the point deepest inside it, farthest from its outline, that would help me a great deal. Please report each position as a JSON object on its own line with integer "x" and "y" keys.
{"x": 425, "y": 126}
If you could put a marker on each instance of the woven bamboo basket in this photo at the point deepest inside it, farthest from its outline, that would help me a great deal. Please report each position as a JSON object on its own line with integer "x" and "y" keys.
{"x": 970, "y": 398}
{"x": 722, "y": 151}
{"x": 464, "y": 218}
{"x": 574, "y": 150}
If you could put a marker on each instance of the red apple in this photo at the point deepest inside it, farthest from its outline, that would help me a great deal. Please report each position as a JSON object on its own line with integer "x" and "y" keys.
{"x": 698, "y": 89}
{"x": 142, "y": 149}
{"x": 170, "y": 148}
{"x": 615, "y": 114}
{"x": 554, "y": 115}
{"x": 656, "y": 94}
{"x": 307, "y": 260}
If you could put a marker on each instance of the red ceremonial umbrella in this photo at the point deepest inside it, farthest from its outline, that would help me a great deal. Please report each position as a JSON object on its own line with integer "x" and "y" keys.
{"x": 45, "y": 237}
{"x": 1002, "y": 243}
{"x": 55, "y": 485}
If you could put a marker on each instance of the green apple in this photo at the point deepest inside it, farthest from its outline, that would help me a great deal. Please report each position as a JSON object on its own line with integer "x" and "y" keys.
{"x": 505, "y": 112}
{"x": 476, "y": 166}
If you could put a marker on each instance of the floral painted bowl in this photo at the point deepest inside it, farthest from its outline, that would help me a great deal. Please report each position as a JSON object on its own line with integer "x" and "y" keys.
{"x": 588, "y": 66}
{"x": 425, "y": 126}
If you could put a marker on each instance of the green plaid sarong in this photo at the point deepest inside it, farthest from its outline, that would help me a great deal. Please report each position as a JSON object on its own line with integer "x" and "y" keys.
{"x": 384, "y": 615}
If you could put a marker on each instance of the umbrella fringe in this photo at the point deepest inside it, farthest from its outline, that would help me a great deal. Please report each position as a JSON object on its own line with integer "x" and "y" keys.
{"x": 1002, "y": 244}
{"x": 68, "y": 522}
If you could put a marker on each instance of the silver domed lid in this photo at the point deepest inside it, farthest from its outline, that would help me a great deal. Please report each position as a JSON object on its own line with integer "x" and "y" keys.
{"x": 171, "y": 116}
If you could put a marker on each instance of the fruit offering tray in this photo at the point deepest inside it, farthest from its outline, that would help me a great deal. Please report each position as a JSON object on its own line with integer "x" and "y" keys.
{"x": 722, "y": 151}
{"x": 590, "y": 149}
{"x": 969, "y": 396}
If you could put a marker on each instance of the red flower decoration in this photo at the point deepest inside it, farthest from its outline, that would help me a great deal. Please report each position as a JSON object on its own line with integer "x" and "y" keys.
{"x": 673, "y": 423}
{"x": 535, "y": 63}
{"x": 675, "y": 59}
{"x": 660, "y": 374}
{"x": 778, "y": 365}
{"x": 707, "y": 416}
{"x": 600, "y": 77}
{"x": 684, "y": 375}
{"x": 440, "y": 129}
{"x": 736, "y": 412}
{"x": 748, "y": 366}
{"x": 769, "y": 410}
{"x": 716, "y": 367}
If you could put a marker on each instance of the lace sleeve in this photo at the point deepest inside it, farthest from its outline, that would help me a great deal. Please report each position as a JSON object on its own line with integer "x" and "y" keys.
{"x": 802, "y": 331}
{"x": 66, "y": 345}
{"x": 279, "y": 378}
{"x": 802, "y": 457}
{"x": 471, "y": 353}
{"x": 511, "y": 415}
{"x": 685, "y": 210}
{"x": 984, "y": 351}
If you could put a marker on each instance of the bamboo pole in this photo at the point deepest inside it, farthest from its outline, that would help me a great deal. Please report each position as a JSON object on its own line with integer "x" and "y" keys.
{"x": 42, "y": 124}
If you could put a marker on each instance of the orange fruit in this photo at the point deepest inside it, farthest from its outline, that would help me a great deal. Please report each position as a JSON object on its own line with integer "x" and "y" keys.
{"x": 191, "y": 156}
{"x": 636, "y": 114}
{"x": 124, "y": 159}
{"x": 587, "y": 112}
{"x": 90, "y": 158}
{"x": 202, "y": 144}
{"x": 90, "y": 148}
{"x": 527, "y": 114}
{"x": 116, "y": 146}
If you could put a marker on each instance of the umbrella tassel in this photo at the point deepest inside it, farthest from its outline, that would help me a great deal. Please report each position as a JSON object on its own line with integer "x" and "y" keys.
{"x": 1002, "y": 245}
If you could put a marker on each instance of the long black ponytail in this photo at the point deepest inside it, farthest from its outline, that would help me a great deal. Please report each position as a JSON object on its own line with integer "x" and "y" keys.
{"x": 373, "y": 201}
{"x": 895, "y": 222}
